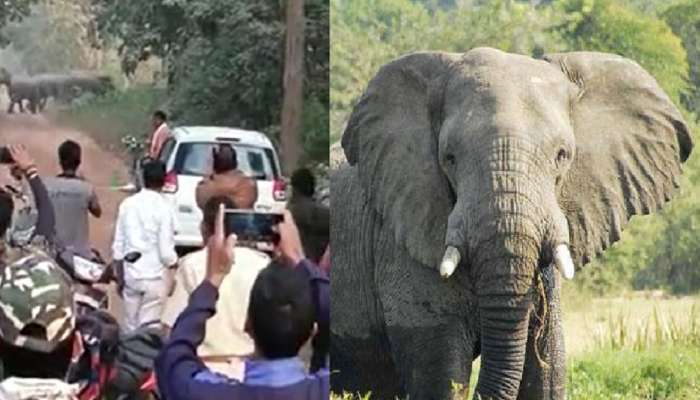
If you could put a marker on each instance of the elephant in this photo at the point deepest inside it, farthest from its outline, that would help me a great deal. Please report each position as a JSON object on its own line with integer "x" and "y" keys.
{"x": 474, "y": 182}
{"x": 80, "y": 82}
{"x": 20, "y": 89}
{"x": 51, "y": 86}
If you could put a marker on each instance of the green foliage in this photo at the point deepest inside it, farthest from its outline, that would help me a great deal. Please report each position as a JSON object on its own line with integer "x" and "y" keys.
{"x": 13, "y": 11}
{"x": 684, "y": 20}
{"x": 55, "y": 37}
{"x": 224, "y": 59}
{"x": 108, "y": 118}
{"x": 603, "y": 25}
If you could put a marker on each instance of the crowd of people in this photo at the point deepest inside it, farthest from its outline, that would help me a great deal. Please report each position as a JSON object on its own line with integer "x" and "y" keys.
{"x": 235, "y": 317}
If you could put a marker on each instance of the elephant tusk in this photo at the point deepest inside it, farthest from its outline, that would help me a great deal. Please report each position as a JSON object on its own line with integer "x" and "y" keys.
{"x": 449, "y": 261}
{"x": 563, "y": 261}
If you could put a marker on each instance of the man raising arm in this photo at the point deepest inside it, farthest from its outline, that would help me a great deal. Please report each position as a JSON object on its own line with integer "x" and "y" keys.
{"x": 281, "y": 316}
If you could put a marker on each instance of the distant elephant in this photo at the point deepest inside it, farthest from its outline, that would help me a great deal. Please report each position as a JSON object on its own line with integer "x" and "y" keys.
{"x": 471, "y": 177}
{"x": 20, "y": 89}
{"x": 51, "y": 86}
{"x": 77, "y": 83}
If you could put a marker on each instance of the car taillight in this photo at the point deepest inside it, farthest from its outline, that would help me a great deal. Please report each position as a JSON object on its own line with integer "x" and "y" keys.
{"x": 170, "y": 185}
{"x": 279, "y": 190}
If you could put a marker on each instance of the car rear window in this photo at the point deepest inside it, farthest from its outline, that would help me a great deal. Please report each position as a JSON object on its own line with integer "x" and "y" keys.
{"x": 195, "y": 159}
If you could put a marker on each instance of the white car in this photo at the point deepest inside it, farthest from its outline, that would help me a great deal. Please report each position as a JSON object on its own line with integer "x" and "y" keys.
{"x": 187, "y": 157}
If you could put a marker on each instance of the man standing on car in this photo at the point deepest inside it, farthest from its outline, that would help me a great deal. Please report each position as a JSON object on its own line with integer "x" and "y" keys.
{"x": 145, "y": 224}
{"x": 227, "y": 180}
{"x": 73, "y": 198}
{"x": 161, "y": 132}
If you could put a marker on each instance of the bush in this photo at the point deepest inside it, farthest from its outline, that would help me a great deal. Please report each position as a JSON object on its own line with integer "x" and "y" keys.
{"x": 108, "y": 118}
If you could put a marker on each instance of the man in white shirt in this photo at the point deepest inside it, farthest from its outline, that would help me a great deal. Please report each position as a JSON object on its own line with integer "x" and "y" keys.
{"x": 145, "y": 224}
{"x": 226, "y": 345}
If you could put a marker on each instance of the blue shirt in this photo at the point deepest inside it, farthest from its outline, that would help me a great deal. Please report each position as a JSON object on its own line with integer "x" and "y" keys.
{"x": 181, "y": 374}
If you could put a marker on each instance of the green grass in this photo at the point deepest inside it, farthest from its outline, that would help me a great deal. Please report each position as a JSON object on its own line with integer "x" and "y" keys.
{"x": 112, "y": 116}
{"x": 659, "y": 372}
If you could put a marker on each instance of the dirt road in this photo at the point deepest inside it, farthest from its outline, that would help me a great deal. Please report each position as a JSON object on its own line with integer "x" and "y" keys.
{"x": 99, "y": 167}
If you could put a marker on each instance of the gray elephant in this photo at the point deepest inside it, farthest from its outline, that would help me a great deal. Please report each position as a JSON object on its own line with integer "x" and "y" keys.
{"x": 81, "y": 82}
{"x": 472, "y": 179}
{"x": 51, "y": 86}
{"x": 20, "y": 89}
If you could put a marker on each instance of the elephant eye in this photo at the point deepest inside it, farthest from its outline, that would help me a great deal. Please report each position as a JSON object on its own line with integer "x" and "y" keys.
{"x": 562, "y": 156}
{"x": 450, "y": 158}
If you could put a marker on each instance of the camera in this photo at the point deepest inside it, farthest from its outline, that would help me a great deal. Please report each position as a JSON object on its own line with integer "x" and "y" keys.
{"x": 5, "y": 156}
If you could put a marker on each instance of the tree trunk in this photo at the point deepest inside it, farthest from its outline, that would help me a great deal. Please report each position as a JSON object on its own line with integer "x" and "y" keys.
{"x": 293, "y": 86}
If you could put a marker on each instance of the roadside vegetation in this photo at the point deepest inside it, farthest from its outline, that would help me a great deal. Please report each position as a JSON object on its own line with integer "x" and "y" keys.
{"x": 108, "y": 118}
{"x": 204, "y": 62}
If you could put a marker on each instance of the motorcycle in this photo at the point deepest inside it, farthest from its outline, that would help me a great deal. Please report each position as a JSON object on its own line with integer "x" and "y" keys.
{"x": 86, "y": 273}
{"x": 100, "y": 333}
{"x": 136, "y": 150}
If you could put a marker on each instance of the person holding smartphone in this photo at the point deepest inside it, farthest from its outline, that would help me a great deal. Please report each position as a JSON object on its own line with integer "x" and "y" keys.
{"x": 226, "y": 345}
{"x": 43, "y": 238}
{"x": 288, "y": 298}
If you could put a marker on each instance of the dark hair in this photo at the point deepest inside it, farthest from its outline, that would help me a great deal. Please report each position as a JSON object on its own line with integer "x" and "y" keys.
{"x": 69, "y": 155}
{"x": 154, "y": 174}
{"x": 303, "y": 181}
{"x": 225, "y": 158}
{"x": 211, "y": 208}
{"x": 281, "y": 311}
{"x": 160, "y": 115}
{"x": 7, "y": 207}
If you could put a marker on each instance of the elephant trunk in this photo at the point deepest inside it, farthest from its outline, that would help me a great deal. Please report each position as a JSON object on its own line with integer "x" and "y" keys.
{"x": 504, "y": 287}
{"x": 505, "y": 256}
{"x": 504, "y": 332}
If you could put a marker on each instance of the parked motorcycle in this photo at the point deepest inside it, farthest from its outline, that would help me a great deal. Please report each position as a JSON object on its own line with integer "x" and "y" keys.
{"x": 136, "y": 150}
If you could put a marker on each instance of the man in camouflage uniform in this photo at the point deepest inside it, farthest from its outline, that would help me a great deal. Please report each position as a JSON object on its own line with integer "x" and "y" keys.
{"x": 37, "y": 319}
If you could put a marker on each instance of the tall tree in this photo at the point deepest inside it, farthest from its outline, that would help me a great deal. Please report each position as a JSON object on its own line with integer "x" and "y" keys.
{"x": 292, "y": 106}
{"x": 13, "y": 11}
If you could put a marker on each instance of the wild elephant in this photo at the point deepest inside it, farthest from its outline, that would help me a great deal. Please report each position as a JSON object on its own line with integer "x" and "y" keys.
{"x": 50, "y": 86}
{"x": 472, "y": 179}
{"x": 81, "y": 82}
{"x": 20, "y": 89}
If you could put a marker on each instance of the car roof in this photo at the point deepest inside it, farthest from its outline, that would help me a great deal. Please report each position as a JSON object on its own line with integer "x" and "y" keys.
{"x": 217, "y": 133}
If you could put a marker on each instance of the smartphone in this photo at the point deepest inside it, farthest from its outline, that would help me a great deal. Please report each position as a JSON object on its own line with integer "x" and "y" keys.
{"x": 251, "y": 226}
{"x": 5, "y": 156}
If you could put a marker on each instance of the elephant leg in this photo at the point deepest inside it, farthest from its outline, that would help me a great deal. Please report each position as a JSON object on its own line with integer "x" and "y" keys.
{"x": 540, "y": 381}
{"x": 21, "y": 105}
{"x": 11, "y": 107}
{"x": 428, "y": 324}
{"x": 433, "y": 359}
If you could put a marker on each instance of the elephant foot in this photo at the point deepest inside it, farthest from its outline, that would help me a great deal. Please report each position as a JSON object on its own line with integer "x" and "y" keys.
{"x": 361, "y": 366}
{"x": 435, "y": 361}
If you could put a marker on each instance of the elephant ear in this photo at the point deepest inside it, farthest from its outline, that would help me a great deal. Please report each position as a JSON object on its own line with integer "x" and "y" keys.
{"x": 630, "y": 143}
{"x": 390, "y": 139}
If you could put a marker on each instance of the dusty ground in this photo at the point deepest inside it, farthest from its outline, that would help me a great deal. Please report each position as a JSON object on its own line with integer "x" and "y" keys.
{"x": 99, "y": 167}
